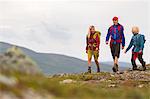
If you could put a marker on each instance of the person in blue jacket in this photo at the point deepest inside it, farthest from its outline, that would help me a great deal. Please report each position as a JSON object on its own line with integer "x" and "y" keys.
{"x": 137, "y": 42}
{"x": 116, "y": 33}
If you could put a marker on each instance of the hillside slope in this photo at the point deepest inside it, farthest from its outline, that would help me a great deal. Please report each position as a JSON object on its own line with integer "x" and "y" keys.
{"x": 55, "y": 63}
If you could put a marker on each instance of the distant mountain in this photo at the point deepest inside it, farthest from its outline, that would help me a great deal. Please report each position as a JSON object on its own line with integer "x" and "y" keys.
{"x": 55, "y": 63}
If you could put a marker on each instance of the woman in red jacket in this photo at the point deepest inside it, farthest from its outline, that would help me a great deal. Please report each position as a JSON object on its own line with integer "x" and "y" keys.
{"x": 92, "y": 48}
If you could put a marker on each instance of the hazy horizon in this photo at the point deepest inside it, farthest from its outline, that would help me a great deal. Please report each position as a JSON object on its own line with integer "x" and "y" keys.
{"x": 60, "y": 27}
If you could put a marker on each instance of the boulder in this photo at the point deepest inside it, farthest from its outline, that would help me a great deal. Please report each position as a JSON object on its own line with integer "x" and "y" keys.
{"x": 15, "y": 60}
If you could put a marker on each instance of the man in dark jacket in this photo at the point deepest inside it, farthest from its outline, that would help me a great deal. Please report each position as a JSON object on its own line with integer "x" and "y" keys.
{"x": 116, "y": 33}
{"x": 137, "y": 41}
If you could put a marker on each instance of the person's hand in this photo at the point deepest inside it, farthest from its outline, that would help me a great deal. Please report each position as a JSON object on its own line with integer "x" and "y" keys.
{"x": 122, "y": 47}
{"x": 96, "y": 49}
{"x": 86, "y": 51}
{"x": 140, "y": 51}
{"x": 106, "y": 42}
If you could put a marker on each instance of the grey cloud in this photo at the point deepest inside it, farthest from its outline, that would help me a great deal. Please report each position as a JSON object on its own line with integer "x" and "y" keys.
{"x": 56, "y": 31}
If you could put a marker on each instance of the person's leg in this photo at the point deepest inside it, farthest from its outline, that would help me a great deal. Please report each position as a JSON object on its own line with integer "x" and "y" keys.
{"x": 116, "y": 63}
{"x": 116, "y": 54}
{"x": 112, "y": 52}
{"x": 89, "y": 60}
{"x": 113, "y": 55}
{"x": 140, "y": 58}
{"x": 116, "y": 60}
{"x": 133, "y": 61}
{"x": 115, "y": 67}
{"x": 96, "y": 55}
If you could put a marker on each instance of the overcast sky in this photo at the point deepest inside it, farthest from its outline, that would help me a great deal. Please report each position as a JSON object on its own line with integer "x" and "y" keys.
{"x": 60, "y": 26}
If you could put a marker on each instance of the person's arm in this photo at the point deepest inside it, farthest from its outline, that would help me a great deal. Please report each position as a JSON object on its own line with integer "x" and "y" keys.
{"x": 98, "y": 40}
{"x": 130, "y": 45}
{"x": 86, "y": 43}
{"x": 141, "y": 43}
{"x": 123, "y": 37}
{"x": 108, "y": 36}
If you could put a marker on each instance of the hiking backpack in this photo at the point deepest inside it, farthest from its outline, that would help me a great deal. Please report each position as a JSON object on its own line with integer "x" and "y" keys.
{"x": 143, "y": 37}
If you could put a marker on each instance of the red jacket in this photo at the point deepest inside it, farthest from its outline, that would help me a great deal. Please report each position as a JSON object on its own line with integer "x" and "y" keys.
{"x": 93, "y": 41}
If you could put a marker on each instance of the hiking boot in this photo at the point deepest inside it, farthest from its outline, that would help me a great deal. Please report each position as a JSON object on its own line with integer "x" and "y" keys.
{"x": 135, "y": 68}
{"x": 89, "y": 69}
{"x": 98, "y": 69}
{"x": 144, "y": 66}
{"x": 115, "y": 68}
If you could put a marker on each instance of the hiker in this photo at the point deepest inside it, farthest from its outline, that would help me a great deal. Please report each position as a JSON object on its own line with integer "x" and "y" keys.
{"x": 116, "y": 33}
{"x": 92, "y": 48}
{"x": 137, "y": 41}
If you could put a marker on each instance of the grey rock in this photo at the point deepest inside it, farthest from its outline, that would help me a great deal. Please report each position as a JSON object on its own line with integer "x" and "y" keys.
{"x": 15, "y": 60}
{"x": 9, "y": 81}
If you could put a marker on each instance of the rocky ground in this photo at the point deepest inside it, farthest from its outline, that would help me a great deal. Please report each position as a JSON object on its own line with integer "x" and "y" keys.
{"x": 117, "y": 79}
{"x": 21, "y": 79}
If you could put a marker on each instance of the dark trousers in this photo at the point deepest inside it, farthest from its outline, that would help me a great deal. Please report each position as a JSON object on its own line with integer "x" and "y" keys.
{"x": 115, "y": 50}
{"x": 140, "y": 58}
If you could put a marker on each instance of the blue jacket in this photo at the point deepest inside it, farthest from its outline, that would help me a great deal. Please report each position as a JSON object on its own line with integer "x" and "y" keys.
{"x": 137, "y": 41}
{"x": 116, "y": 32}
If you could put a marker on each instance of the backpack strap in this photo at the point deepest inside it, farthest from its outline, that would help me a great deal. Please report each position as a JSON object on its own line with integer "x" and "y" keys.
{"x": 96, "y": 33}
